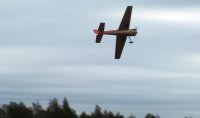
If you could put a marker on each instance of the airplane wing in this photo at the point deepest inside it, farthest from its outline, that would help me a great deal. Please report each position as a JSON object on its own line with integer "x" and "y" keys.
{"x": 120, "y": 41}
{"x": 125, "y": 23}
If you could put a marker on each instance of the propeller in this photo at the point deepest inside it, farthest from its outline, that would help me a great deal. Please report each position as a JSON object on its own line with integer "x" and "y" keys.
{"x": 137, "y": 32}
{"x": 136, "y": 28}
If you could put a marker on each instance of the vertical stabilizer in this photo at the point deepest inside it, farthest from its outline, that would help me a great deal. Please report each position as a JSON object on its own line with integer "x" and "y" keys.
{"x": 100, "y": 32}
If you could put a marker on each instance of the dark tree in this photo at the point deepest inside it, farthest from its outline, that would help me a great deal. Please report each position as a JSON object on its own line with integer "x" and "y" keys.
{"x": 105, "y": 114}
{"x": 38, "y": 111}
{"x": 18, "y": 110}
{"x": 54, "y": 110}
{"x": 149, "y": 115}
{"x": 118, "y": 115}
{"x": 110, "y": 115}
{"x": 2, "y": 113}
{"x": 84, "y": 115}
{"x": 97, "y": 112}
{"x": 36, "y": 106}
{"x": 68, "y": 111}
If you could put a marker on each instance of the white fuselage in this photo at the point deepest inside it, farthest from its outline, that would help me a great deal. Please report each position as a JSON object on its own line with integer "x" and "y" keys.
{"x": 130, "y": 32}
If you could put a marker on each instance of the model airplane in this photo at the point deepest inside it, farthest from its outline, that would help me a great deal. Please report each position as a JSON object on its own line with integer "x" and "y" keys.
{"x": 121, "y": 34}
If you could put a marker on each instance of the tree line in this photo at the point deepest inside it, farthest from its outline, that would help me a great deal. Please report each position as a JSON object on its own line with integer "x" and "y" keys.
{"x": 54, "y": 110}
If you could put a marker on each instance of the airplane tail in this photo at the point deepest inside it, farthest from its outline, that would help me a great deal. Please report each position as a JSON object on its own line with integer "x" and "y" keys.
{"x": 99, "y": 32}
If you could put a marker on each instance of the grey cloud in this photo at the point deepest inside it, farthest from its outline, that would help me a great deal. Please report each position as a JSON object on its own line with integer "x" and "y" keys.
{"x": 167, "y": 3}
{"x": 48, "y": 50}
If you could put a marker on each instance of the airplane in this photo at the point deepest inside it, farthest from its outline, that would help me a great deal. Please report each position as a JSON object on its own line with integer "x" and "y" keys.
{"x": 121, "y": 34}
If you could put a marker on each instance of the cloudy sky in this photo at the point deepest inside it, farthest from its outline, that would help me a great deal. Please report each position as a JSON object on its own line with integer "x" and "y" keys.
{"x": 47, "y": 50}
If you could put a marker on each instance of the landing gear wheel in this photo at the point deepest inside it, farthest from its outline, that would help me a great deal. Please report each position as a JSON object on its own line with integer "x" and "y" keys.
{"x": 130, "y": 40}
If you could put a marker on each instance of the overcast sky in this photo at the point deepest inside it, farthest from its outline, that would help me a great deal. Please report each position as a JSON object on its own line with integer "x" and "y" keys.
{"x": 47, "y": 50}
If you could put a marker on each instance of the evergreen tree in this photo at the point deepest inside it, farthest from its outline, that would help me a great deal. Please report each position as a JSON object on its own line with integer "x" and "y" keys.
{"x": 149, "y": 115}
{"x": 19, "y": 110}
{"x": 84, "y": 115}
{"x": 97, "y": 112}
{"x": 2, "y": 113}
{"x": 38, "y": 111}
{"x": 110, "y": 115}
{"x": 68, "y": 112}
{"x": 118, "y": 115}
{"x": 105, "y": 114}
{"x": 54, "y": 110}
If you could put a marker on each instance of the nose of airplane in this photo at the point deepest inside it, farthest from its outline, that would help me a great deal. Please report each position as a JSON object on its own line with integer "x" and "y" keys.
{"x": 136, "y": 33}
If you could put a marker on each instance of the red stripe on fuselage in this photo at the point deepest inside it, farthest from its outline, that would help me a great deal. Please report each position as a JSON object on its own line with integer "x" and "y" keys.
{"x": 97, "y": 32}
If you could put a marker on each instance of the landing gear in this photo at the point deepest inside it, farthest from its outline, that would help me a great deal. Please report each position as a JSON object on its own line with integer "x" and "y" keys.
{"x": 130, "y": 40}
